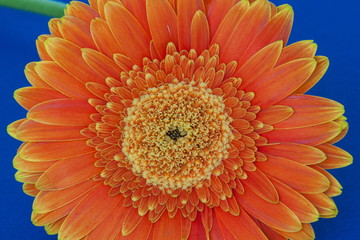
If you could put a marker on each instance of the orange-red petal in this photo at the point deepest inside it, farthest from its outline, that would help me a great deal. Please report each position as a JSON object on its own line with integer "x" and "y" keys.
{"x": 322, "y": 64}
{"x": 185, "y": 12}
{"x": 62, "y": 112}
{"x": 59, "y": 79}
{"x": 261, "y": 62}
{"x": 47, "y": 201}
{"x": 28, "y": 97}
{"x": 335, "y": 157}
{"x": 277, "y": 28}
{"x": 98, "y": 203}
{"x": 68, "y": 172}
{"x": 300, "y": 153}
{"x": 298, "y": 204}
{"x": 281, "y": 81}
{"x": 136, "y": 41}
{"x": 162, "y": 23}
{"x": 309, "y": 111}
{"x": 49, "y": 151}
{"x": 103, "y": 38}
{"x": 313, "y": 135}
{"x": 199, "y": 32}
{"x": 245, "y": 31}
{"x": 301, "y": 178}
{"x": 274, "y": 114}
{"x": 242, "y": 227}
{"x": 275, "y": 215}
{"x": 31, "y": 131}
{"x": 259, "y": 183}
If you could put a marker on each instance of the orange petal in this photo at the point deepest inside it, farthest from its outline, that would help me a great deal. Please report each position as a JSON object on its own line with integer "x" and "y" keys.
{"x": 13, "y": 127}
{"x": 274, "y": 114}
{"x": 258, "y": 182}
{"x": 98, "y": 203}
{"x": 241, "y": 227}
{"x": 41, "y": 219}
{"x": 298, "y": 204}
{"x": 131, "y": 221}
{"x": 302, "y": 49}
{"x": 27, "y": 177}
{"x": 33, "y": 77}
{"x": 306, "y": 233}
{"x": 28, "y": 97}
{"x": 47, "y": 201}
{"x": 54, "y": 27}
{"x": 313, "y": 135}
{"x": 270, "y": 233}
{"x": 30, "y": 189}
{"x": 49, "y": 151}
{"x": 62, "y": 112}
{"x": 81, "y": 10}
{"x": 28, "y": 166}
{"x": 278, "y": 28}
{"x": 162, "y": 23}
{"x": 139, "y": 11}
{"x": 197, "y": 230}
{"x": 31, "y": 131}
{"x": 200, "y": 35}
{"x": 111, "y": 226}
{"x": 186, "y": 225}
{"x": 335, "y": 186}
{"x": 301, "y": 178}
{"x": 220, "y": 231}
{"x": 68, "y": 172}
{"x": 260, "y": 63}
{"x": 281, "y": 81}
{"x": 303, "y": 154}
{"x": 93, "y": 3}
{"x": 76, "y": 31}
{"x": 344, "y": 129}
{"x": 324, "y": 204}
{"x": 100, "y": 63}
{"x": 274, "y": 215}
{"x": 97, "y": 89}
{"x": 57, "y": 78}
{"x": 309, "y": 111}
{"x": 236, "y": 13}
{"x": 143, "y": 232}
{"x": 168, "y": 228}
{"x": 54, "y": 227}
{"x": 186, "y": 10}
{"x": 321, "y": 68}
{"x": 41, "y": 47}
{"x": 207, "y": 219}
{"x": 135, "y": 41}
{"x": 69, "y": 57}
{"x": 245, "y": 31}
{"x": 217, "y": 11}
{"x": 103, "y": 38}
{"x": 335, "y": 157}
{"x": 101, "y": 6}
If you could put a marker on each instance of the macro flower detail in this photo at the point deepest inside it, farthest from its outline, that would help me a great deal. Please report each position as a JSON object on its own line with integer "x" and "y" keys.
{"x": 187, "y": 119}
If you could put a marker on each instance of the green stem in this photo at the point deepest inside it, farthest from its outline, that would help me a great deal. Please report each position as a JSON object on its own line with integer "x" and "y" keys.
{"x": 45, "y": 7}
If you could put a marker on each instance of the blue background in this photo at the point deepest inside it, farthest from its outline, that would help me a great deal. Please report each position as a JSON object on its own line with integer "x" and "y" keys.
{"x": 332, "y": 24}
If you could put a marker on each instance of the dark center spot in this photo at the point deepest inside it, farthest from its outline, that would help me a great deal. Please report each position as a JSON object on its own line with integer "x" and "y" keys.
{"x": 175, "y": 134}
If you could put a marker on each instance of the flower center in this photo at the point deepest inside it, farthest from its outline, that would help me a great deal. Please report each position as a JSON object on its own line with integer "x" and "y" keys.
{"x": 176, "y": 134}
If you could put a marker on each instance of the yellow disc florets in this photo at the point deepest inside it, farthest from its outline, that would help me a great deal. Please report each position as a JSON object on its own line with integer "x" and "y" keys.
{"x": 176, "y": 134}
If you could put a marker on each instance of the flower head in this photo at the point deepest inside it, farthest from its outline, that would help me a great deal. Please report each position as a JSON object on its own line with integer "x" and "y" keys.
{"x": 187, "y": 119}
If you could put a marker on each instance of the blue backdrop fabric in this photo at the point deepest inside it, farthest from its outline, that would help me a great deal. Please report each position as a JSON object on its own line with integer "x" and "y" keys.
{"x": 332, "y": 24}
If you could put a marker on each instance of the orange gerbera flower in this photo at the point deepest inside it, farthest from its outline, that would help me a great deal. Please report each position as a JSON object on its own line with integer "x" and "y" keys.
{"x": 187, "y": 119}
